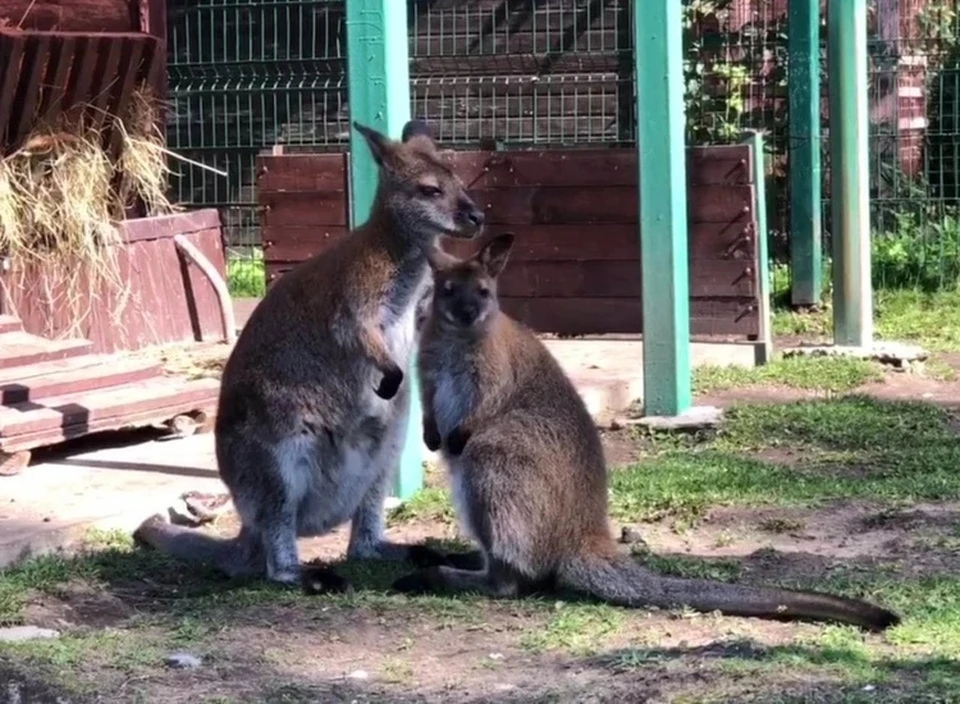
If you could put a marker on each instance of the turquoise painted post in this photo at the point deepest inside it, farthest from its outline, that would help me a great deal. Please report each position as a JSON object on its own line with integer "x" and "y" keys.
{"x": 806, "y": 243}
{"x": 378, "y": 85}
{"x": 849, "y": 172}
{"x": 661, "y": 156}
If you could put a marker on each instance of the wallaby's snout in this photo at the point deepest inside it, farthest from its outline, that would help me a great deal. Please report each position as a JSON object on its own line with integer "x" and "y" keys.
{"x": 469, "y": 218}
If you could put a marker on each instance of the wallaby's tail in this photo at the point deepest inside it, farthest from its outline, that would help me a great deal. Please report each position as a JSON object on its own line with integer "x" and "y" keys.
{"x": 625, "y": 582}
{"x": 234, "y": 556}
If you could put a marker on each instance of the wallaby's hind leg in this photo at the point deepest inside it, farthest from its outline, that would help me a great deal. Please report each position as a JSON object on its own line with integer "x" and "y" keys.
{"x": 270, "y": 506}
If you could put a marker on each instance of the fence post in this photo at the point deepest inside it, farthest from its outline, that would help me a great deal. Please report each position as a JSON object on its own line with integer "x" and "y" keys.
{"x": 849, "y": 172}
{"x": 806, "y": 244}
{"x": 378, "y": 87}
{"x": 661, "y": 156}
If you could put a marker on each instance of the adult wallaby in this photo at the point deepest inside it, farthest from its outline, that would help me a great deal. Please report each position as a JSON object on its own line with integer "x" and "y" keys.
{"x": 527, "y": 469}
{"x": 313, "y": 407}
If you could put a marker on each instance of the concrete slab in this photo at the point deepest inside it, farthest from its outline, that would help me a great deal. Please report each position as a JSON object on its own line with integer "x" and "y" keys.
{"x": 50, "y": 505}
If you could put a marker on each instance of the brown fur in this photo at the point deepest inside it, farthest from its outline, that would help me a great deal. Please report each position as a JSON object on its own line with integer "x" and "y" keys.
{"x": 528, "y": 473}
{"x": 313, "y": 406}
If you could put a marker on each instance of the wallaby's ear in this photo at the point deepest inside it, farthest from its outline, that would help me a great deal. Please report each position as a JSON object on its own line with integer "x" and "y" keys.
{"x": 438, "y": 259}
{"x": 416, "y": 128}
{"x": 494, "y": 254}
{"x": 379, "y": 144}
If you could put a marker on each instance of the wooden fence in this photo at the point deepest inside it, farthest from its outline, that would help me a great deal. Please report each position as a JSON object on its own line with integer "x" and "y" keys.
{"x": 575, "y": 269}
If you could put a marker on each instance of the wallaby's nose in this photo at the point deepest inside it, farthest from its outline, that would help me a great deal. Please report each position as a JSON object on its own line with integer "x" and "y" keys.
{"x": 476, "y": 217}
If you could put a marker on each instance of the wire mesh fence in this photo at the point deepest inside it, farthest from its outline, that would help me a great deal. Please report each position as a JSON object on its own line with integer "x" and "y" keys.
{"x": 247, "y": 75}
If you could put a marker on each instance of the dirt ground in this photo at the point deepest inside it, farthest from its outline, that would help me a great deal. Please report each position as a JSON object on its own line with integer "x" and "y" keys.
{"x": 258, "y": 644}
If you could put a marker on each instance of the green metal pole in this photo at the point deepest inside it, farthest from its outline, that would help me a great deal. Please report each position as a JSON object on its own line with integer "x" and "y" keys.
{"x": 378, "y": 85}
{"x": 806, "y": 246}
{"x": 849, "y": 172}
{"x": 661, "y": 156}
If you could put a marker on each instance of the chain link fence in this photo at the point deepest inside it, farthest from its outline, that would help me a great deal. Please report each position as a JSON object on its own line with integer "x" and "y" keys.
{"x": 248, "y": 75}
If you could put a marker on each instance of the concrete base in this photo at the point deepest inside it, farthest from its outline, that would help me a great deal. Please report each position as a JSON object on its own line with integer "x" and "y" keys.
{"x": 899, "y": 355}
{"x": 696, "y": 418}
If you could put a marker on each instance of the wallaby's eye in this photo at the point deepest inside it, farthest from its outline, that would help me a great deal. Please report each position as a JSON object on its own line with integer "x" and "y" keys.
{"x": 447, "y": 287}
{"x": 431, "y": 191}
{"x": 484, "y": 292}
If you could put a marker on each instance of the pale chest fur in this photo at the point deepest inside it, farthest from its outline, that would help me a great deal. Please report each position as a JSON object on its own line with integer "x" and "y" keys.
{"x": 453, "y": 397}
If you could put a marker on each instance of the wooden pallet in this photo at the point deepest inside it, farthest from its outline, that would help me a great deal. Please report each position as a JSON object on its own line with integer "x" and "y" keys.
{"x": 51, "y": 391}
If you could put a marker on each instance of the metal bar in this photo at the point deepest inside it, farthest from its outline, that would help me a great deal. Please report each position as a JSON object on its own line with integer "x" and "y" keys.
{"x": 849, "y": 172}
{"x": 763, "y": 348}
{"x": 658, "y": 53}
{"x": 378, "y": 85}
{"x": 806, "y": 244}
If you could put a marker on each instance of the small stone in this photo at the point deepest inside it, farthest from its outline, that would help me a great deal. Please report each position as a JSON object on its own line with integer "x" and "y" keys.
{"x": 630, "y": 535}
{"x": 869, "y": 687}
{"x": 496, "y": 656}
{"x": 693, "y": 419}
{"x": 183, "y": 661}
{"x": 359, "y": 675}
{"x": 20, "y": 634}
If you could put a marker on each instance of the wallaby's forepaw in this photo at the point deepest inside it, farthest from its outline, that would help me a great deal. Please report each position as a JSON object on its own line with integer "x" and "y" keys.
{"x": 423, "y": 556}
{"x": 320, "y": 579}
{"x": 431, "y": 436}
{"x": 390, "y": 384}
{"x": 420, "y": 582}
{"x": 457, "y": 441}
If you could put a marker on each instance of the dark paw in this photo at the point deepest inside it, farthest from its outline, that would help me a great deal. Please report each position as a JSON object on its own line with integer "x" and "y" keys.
{"x": 413, "y": 583}
{"x": 390, "y": 384}
{"x": 456, "y": 442}
{"x": 432, "y": 439}
{"x": 422, "y": 556}
{"x": 472, "y": 561}
{"x": 315, "y": 579}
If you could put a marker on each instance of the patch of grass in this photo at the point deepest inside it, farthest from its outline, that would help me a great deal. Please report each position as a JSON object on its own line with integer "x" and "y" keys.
{"x": 931, "y": 320}
{"x": 581, "y": 629}
{"x": 428, "y": 504}
{"x": 246, "y": 274}
{"x": 833, "y": 374}
{"x": 853, "y": 447}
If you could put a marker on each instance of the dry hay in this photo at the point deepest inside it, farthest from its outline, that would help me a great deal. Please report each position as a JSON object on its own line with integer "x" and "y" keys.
{"x": 61, "y": 194}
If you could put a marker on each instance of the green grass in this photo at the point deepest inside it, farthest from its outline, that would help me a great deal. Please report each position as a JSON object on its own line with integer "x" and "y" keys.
{"x": 853, "y": 447}
{"x": 246, "y": 275}
{"x": 832, "y": 374}
{"x": 931, "y": 320}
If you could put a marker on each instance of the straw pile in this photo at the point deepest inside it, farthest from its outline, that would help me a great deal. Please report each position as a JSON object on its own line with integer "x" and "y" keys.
{"x": 60, "y": 195}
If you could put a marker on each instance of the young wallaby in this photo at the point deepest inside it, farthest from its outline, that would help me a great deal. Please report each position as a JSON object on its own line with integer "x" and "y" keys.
{"x": 313, "y": 407}
{"x": 527, "y": 468}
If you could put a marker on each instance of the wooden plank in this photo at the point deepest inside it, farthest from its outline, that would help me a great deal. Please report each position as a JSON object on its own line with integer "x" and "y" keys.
{"x": 302, "y": 209}
{"x": 18, "y": 349}
{"x": 607, "y": 204}
{"x": 77, "y": 375}
{"x": 128, "y": 78}
{"x": 302, "y": 172}
{"x": 11, "y": 58}
{"x": 82, "y": 73}
{"x": 62, "y": 57}
{"x": 163, "y": 409}
{"x": 79, "y": 409}
{"x": 10, "y": 323}
{"x": 167, "y": 226}
{"x": 295, "y": 243}
{"x": 618, "y": 279}
{"x": 727, "y": 165}
{"x": 32, "y": 72}
{"x": 604, "y": 242}
{"x": 106, "y": 80}
{"x": 591, "y": 316}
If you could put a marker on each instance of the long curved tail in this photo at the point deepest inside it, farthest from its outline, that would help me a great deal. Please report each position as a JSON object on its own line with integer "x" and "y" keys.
{"x": 623, "y": 581}
{"x": 234, "y": 556}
